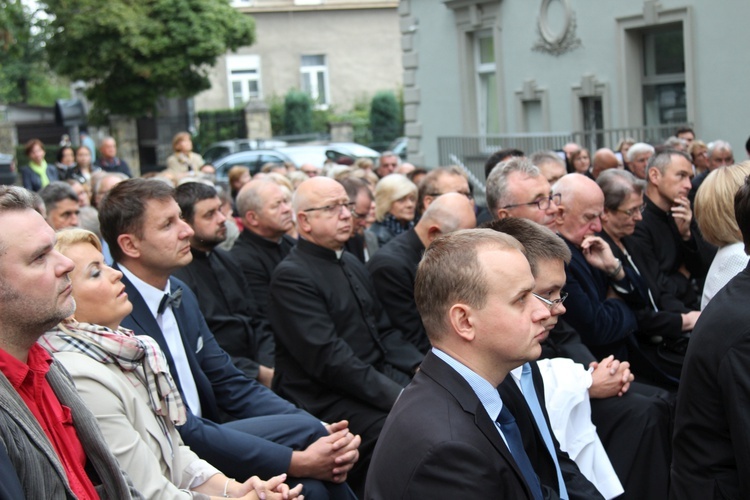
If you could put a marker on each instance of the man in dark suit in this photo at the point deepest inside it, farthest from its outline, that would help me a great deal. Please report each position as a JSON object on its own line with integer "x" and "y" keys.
{"x": 450, "y": 435}
{"x": 227, "y": 302}
{"x": 337, "y": 354}
{"x": 266, "y": 212}
{"x": 712, "y": 422}
{"x": 394, "y": 267}
{"x": 141, "y": 222}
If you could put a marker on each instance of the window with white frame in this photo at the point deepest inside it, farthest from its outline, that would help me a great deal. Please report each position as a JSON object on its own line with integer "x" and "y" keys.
{"x": 243, "y": 75}
{"x": 486, "y": 81}
{"x": 663, "y": 79}
{"x": 314, "y": 73}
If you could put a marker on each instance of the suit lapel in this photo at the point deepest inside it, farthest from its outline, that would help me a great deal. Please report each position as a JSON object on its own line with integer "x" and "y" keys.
{"x": 453, "y": 382}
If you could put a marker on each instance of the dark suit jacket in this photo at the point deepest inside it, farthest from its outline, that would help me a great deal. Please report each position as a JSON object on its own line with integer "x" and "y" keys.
{"x": 659, "y": 240}
{"x": 258, "y": 257}
{"x": 439, "y": 442}
{"x": 393, "y": 270}
{"x": 335, "y": 347}
{"x": 711, "y": 457}
{"x": 576, "y": 483}
{"x": 604, "y": 324}
{"x": 220, "y": 386}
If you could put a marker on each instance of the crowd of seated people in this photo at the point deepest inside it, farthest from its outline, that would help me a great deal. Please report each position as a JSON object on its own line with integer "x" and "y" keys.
{"x": 287, "y": 327}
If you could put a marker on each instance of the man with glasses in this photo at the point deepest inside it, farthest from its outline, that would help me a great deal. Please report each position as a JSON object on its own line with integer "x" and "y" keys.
{"x": 337, "y": 355}
{"x": 363, "y": 244}
{"x": 632, "y": 419}
{"x": 440, "y": 181}
{"x": 517, "y": 188}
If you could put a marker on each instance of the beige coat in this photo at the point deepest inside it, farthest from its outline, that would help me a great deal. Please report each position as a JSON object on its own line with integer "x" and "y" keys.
{"x": 120, "y": 403}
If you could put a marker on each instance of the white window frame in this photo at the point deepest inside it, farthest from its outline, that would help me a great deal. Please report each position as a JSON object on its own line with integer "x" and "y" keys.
{"x": 312, "y": 72}
{"x": 483, "y": 72}
{"x": 240, "y": 69}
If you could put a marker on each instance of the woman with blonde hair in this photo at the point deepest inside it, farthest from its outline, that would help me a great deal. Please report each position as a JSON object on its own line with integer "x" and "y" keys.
{"x": 124, "y": 379}
{"x": 183, "y": 160}
{"x": 395, "y": 207}
{"x": 714, "y": 212}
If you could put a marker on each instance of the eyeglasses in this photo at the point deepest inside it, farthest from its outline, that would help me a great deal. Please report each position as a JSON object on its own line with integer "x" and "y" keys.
{"x": 551, "y": 304}
{"x": 632, "y": 211}
{"x": 435, "y": 195}
{"x": 542, "y": 204}
{"x": 336, "y": 208}
{"x": 358, "y": 215}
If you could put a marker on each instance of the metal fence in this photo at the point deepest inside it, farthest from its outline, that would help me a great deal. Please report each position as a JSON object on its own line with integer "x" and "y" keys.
{"x": 471, "y": 152}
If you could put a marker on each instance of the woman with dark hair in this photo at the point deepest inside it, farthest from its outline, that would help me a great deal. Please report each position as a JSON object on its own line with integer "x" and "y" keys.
{"x": 37, "y": 174}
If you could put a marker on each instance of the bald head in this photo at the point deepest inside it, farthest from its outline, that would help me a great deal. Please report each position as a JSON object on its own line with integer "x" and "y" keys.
{"x": 447, "y": 213}
{"x": 604, "y": 159}
{"x": 580, "y": 209}
{"x": 323, "y": 214}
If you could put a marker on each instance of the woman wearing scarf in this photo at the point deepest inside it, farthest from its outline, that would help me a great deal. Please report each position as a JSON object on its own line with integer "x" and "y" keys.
{"x": 125, "y": 381}
{"x": 37, "y": 174}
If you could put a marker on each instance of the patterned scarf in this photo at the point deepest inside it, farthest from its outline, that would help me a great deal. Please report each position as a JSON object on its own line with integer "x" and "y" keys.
{"x": 128, "y": 351}
{"x": 396, "y": 226}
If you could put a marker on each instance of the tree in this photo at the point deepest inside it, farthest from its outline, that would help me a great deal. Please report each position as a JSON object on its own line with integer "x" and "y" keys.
{"x": 297, "y": 113}
{"x": 24, "y": 74}
{"x": 130, "y": 53}
{"x": 385, "y": 119}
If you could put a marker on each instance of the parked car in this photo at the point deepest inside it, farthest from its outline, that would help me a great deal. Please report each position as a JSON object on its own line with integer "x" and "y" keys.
{"x": 253, "y": 160}
{"x": 316, "y": 154}
{"x": 8, "y": 173}
{"x": 220, "y": 149}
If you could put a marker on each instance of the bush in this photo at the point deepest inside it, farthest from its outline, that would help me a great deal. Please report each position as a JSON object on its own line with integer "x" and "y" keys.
{"x": 385, "y": 119}
{"x": 276, "y": 110}
{"x": 297, "y": 113}
{"x": 219, "y": 125}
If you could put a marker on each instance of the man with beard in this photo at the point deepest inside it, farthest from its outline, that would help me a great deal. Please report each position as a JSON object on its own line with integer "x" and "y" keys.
{"x": 225, "y": 299}
{"x": 51, "y": 438}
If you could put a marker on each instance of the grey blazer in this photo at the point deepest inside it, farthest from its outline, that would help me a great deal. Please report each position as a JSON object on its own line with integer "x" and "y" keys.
{"x": 33, "y": 457}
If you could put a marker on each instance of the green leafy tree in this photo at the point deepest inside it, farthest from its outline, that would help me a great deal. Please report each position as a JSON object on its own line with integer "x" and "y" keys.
{"x": 297, "y": 113}
{"x": 24, "y": 74}
{"x": 133, "y": 52}
{"x": 385, "y": 119}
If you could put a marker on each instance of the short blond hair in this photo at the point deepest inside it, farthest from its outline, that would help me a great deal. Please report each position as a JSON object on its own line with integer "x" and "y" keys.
{"x": 392, "y": 188}
{"x": 73, "y": 236}
{"x": 714, "y": 204}
{"x": 178, "y": 138}
{"x": 450, "y": 273}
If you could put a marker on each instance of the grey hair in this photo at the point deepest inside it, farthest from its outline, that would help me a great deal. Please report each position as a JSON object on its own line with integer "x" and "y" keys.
{"x": 497, "y": 182}
{"x": 638, "y": 149}
{"x": 718, "y": 145}
{"x": 674, "y": 142}
{"x": 663, "y": 159}
{"x": 55, "y": 192}
{"x": 542, "y": 157}
{"x": 617, "y": 185}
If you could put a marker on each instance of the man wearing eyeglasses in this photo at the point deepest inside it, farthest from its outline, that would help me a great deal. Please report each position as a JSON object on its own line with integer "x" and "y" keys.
{"x": 632, "y": 419}
{"x": 517, "y": 188}
{"x": 363, "y": 244}
{"x": 337, "y": 355}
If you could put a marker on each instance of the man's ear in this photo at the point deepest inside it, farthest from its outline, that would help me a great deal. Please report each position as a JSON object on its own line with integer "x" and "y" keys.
{"x": 250, "y": 219}
{"x": 559, "y": 215}
{"x": 302, "y": 223}
{"x": 433, "y": 232}
{"x": 462, "y": 322}
{"x": 653, "y": 175}
{"x": 130, "y": 245}
{"x": 502, "y": 213}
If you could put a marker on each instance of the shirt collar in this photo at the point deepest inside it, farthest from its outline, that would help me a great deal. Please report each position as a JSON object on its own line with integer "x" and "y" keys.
{"x": 485, "y": 391}
{"x": 16, "y": 371}
{"x": 151, "y": 295}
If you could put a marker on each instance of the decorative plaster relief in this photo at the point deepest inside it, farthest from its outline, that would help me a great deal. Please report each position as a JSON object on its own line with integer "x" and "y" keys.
{"x": 556, "y": 43}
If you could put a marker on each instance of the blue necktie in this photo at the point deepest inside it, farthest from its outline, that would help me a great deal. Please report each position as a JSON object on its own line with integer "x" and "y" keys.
{"x": 515, "y": 445}
{"x": 527, "y": 386}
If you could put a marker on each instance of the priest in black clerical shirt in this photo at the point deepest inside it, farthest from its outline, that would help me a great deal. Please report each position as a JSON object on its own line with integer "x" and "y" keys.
{"x": 225, "y": 299}
{"x": 266, "y": 214}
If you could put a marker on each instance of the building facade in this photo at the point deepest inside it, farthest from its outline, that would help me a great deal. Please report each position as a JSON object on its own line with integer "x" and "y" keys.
{"x": 484, "y": 67}
{"x": 338, "y": 51}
